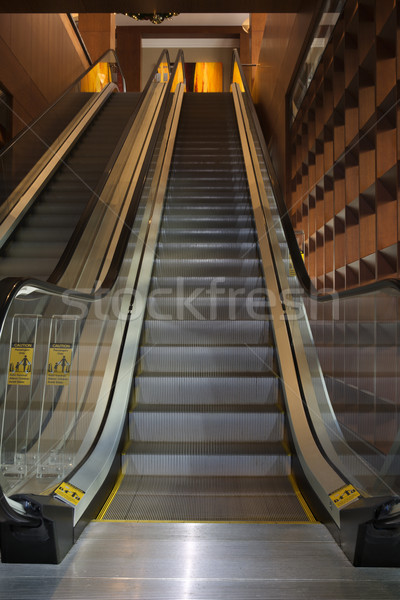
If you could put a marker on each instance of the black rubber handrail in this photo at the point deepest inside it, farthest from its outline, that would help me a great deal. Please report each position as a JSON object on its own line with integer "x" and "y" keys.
{"x": 10, "y": 287}
{"x": 80, "y": 227}
{"x": 79, "y": 38}
{"x": 297, "y": 260}
{"x": 117, "y": 260}
{"x": 49, "y": 108}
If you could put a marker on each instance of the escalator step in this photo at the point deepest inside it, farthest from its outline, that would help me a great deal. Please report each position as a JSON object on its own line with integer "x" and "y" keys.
{"x": 209, "y": 425}
{"x": 192, "y": 332}
{"x": 207, "y": 309}
{"x": 223, "y": 459}
{"x": 254, "y": 388}
{"x": 206, "y": 359}
{"x": 204, "y": 250}
{"x": 207, "y": 268}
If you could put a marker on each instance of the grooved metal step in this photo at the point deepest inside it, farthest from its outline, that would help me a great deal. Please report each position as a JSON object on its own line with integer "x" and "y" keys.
{"x": 186, "y": 333}
{"x": 186, "y": 423}
{"x": 37, "y": 244}
{"x": 207, "y": 309}
{"x": 252, "y": 388}
{"x": 226, "y": 267}
{"x": 206, "y": 429}
{"x": 206, "y": 359}
{"x": 255, "y": 459}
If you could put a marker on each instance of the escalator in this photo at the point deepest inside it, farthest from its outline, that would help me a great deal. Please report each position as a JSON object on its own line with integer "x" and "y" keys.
{"x": 195, "y": 391}
{"x": 207, "y": 422}
{"x": 38, "y": 243}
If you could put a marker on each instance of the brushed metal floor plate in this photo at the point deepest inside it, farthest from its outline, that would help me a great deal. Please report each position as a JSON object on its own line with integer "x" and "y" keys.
{"x": 177, "y": 561}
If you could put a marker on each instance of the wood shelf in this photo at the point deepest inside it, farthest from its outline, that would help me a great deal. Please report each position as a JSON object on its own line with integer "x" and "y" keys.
{"x": 347, "y": 171}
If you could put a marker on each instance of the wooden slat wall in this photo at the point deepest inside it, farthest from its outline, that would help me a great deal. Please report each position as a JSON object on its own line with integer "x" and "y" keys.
{"x": 40, "y": 57}
{"x": 345, "y": 144}
{"x": 285, "y": 37}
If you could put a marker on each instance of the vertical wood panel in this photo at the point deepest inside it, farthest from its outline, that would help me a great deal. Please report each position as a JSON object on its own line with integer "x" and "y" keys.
{"x": 39, "y": 60}
{"x": 98, "y": 32}
{"x": 129, "y": 51}
{"x": 367, "y": 231}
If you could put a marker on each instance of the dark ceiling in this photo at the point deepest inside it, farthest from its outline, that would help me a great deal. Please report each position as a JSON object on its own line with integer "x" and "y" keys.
{"x": 123, "y": 6}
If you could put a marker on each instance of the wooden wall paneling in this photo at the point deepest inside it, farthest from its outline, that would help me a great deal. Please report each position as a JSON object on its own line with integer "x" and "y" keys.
{"x": 312, "y": 212}
{"x": 328, "y": 145}
{"x": 367, "y": 154}
{"x": 366, "y": 91}
{"x": 257, "y": 23}
{"x": 351, "y": 117}
{"x": 305, "y": 216}
{"x": 39, "y": 61}
{"x": 386, "y": 137}
{"x": 312, "y": 258}
{"x": 351, "y": 57}
{"x": 129, "y": 50}
{"x": 386, "y": 59}
{"x": 319, "y": 159}
{"x": 319, "y": 107}
{"x": 320, "y": 257}
{"x": 386, "y": 212}
{"x": 328, "y": 92}
{"x": 367, "y": 211}
{"x": 338, "y": 130}
{"x": 353, "y": 274}
{"x": 329, "y": 251}
{"x": 98, "y": 32}
{"x": 339, "y": 188}
{"x": 368, "y": 269}
{"x": 328, "y": 196}
{"x": 366, "y": 27}
{"x": 340, "y": 242}
{"x": 352, "y": 232}
{"x": 351, "y": 174}
{"x": 304, "y": 143}
{"x": 384, "y": 12}
{"x": 312, "y": 180}
{"x": 319, "y": 206}
{"x": 387, "y": 262}
{"x": 340, "y": 278}
{"x": 311, "y": 128}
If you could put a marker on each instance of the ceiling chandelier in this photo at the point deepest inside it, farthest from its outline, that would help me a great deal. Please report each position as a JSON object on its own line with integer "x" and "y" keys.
{"x": 155, "y": 17}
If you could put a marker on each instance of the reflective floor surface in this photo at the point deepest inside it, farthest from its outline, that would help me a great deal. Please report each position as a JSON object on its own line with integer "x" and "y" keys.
{"x": 200, "y": 561}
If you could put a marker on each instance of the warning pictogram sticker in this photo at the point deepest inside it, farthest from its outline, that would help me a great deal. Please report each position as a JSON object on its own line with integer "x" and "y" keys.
{"x": 59, "y": 365}
{"x": 20, "y": 367}
{"x": 69, "y": 493}
{"x": 344, "y": 496}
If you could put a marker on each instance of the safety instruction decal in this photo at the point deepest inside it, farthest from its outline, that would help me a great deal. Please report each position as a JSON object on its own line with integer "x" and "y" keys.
{"x": 59, "y": 364}
{"x": 20, "y": 367}
{"x": 346, "y": 494}
{"x": 292, "y": 270}
{"x": 69, "y": 493}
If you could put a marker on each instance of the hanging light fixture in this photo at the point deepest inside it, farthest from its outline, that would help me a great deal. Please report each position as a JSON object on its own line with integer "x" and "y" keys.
{"x": 155, "y": 17}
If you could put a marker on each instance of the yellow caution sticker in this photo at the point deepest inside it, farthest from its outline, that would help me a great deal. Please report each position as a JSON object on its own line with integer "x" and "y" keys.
{"x": 69, "y": 493}
{"x": 292, "y": 270}
{"x": 20, "y": 366}
{"x": 59, "y": 365}
{"x": 345, "y": 495}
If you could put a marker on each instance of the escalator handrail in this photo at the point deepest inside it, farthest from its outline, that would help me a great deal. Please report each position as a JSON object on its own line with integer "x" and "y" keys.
{"x": 11, "y": 286}
{"x": 49, "y": 108}
{"x": 85, "y": 216}
{"x": 297, "y": 260}
{"x": 119, "y": 252}
{"x": 79, "y": 38}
